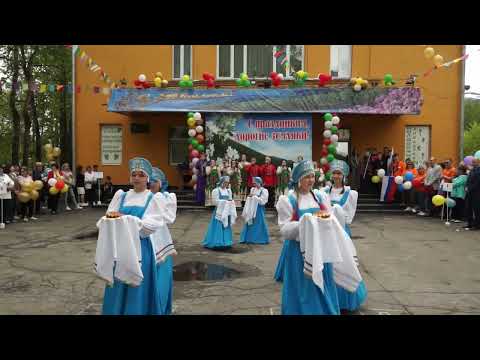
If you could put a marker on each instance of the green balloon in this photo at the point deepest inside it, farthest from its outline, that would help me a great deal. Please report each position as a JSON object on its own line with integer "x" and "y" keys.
{"x": 195, "y": 143}
{"x": 305, "y": 76}
{"x": 328, "y": 117}
{"x": 190, "y": 140}
{"x": 332, "y": 149}
{"x": 190, "y": 115}
{"x": 247, "y": 83}
{"x": 388, "y": 78}
{"x": 330, "y": 158}
{"x": 328, "y": 176}
{"x": 201, "y": 148}
{"x": 190, "y": 83}
{"x": 239, "y": 82}
{"x": 334, "y": 129}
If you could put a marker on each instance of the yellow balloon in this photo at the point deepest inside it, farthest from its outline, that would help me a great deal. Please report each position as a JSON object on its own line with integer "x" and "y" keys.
{"x": 438, "y": 200}
{"x": 429, "y": 52}
{"x": 157, "y": 81}
{"x": 301, "y": 73}
{"x": 53, "y": 190}
{"x": 159, "y": 75}
{"x": 24, "y": 197}
{"x": 56, "y": 151}
{"x": 48, "y": 147}
{"x": 34, "y": 195}
{"x": 185, "y": 78}
{"x": 438, "y": 60}
{"x": 27, "y": 186}
{"x": 50, "y": 157}
{"x": 353, "y": 81}
{"x": 359, "y": 81}
{"x": 164, "y": 83}
{"x": 191, "y": 122}
{"x": 64, "y": 189}
{"x": 38, "y": 184}
{"x": 375, "y": 179}
{"x": 244, "y": 77}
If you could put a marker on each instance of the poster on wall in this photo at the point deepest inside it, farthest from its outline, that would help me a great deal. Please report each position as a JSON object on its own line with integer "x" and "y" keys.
{"x": 111, "y": 145}
{"x": 417, "y": 144}
{"x": 234, "y": 139}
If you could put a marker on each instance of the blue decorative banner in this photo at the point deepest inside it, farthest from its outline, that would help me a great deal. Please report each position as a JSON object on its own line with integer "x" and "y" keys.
{"x": 378, "y": 100}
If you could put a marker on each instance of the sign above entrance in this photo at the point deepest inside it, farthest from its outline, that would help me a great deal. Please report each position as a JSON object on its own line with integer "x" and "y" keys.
{"x": 378, "y": 100}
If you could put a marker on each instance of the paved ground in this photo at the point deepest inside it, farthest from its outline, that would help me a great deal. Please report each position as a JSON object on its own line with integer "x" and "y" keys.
{"x": 411, "y": 265}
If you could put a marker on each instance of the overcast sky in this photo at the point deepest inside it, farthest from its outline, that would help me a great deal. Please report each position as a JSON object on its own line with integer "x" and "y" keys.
{"x": 472, "y": 68}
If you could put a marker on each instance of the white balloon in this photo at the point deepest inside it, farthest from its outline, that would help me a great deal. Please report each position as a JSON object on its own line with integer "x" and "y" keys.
{"x": 52, "y": 182}
{"x": 327, "y": 133}
{"x": 328, "y": 124}
{"x": 280, "y": 76}
{"x": 199, "y": 129}
{"x": 323, "y": 161}
{"x": 194, "y": 161}
{"x": 357, "y": 87}
{"x": 334, "y": 138}
{"x": 398, "y": 180}
{"x": 199, "y": 121}
{"x": 197, "y": 116}
{"x": 142, "y": 77}
{"x": 381, "y": 173}
{"x": 194, "y": 178}
{"x": 192, "y": 132}
{"x": 407, "y": 185}
{"x": 335, "y": 120}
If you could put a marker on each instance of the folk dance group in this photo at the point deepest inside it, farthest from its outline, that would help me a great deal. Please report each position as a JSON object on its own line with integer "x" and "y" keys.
{"x": 317, "y": 266}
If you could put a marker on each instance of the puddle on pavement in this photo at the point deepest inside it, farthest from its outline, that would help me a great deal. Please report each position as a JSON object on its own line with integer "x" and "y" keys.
{"x": 200, "y": 271}
{"x": 232, "y": 250}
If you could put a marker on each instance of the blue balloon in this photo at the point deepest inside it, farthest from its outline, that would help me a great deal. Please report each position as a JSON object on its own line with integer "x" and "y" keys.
{"x": 400, "y": 187}
{"x": 477, "y": 155}
{"x": 408, "y": 176}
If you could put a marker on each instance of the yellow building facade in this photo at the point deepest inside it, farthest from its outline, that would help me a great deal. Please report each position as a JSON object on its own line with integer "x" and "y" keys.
{"x": 442, "y": 92}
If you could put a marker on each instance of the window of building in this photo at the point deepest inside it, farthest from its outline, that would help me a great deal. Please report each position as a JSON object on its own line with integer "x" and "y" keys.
{"x": 341, "y": 61}
{"x": 182, "y": 60}
{"x": 258, "y": 60}
{"x": 177, "y": 145}
{"x": 112, "y": 144}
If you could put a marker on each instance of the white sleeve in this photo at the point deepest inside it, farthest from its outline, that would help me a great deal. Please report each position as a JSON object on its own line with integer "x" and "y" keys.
{"x": 350, "y": 206}
{"x": 171, "y": 208}
{"x": 288, "y": 228}
{"x": 154, "y": 216}
{"x": 115, "y": 203}
{"x": 216, "y": 196}
{"x": 264, "y": 198}
{"x": 339, "y": 213}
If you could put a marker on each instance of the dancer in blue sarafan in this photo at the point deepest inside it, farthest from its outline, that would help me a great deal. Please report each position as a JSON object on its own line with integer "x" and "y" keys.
{"x": 162, "y": 239}
{"x": 344, "y": 201}
{"x": 255, "y": 230}
{"x": 148, "y": 298}
{"x": 219, "y": 233}
{"x": 300, "y": 295}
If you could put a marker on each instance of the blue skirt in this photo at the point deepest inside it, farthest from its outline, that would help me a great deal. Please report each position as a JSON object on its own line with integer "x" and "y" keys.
{"x": 217, "y": 236}
{"x": 352, "y": 301}
{"x": 152, "y": 297}
{"x": 280, "y": 265}
{"x": 257, "y": 233}
{"x": 300, "y": 295}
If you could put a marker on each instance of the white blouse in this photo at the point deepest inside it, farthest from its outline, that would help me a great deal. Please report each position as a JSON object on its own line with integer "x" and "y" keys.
{"x": 263, "y": 199}
{"x": 219, "y": 191}
{"x": 350, "y": 206}
{"x": 288, "y": 227}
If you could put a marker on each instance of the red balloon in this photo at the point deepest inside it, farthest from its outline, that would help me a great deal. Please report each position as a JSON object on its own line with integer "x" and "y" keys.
{"x": 60, "y": 184}
{"x": 200, "y": 138}
{"x": 205, "y": 76}
{"x": 325, "y": 168}
{"x": 327, "y": 142}
{"x": 210, "y": 83}
{"x": 137, "y": 83}
{"x": 190, "y": 147}
{"x": 146, "y": 85}
{"x": 273, "y": 75}
{"x": 276, "y": 82}
{"x": 324, "y": 147}
{"x": 324, "y": 153}
{"x": 324, "y": 79}
{"x": 195, "y": 153}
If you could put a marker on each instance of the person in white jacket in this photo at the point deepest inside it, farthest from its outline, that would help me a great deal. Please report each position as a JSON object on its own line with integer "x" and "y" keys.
{"x": 150, "y": 210}
{"x": 162, "y": 239}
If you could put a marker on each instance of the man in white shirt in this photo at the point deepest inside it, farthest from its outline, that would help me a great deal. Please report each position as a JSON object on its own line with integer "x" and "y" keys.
{"x": 6, "y": 187}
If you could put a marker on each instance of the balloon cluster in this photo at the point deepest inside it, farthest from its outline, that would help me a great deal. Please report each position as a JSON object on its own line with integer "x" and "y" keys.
{"x": 429, "y": 53}
{"x": 243, "y": 81}
{"x": 141, "y": 82}
{"x": 388, "y": 80}
{"x": 358, "y": 83}
{"x": 300, "y": 77}
{"x": 159, "y": 81}
{"x": 276, "y": 78}
{"x": 30, "y": 191}
{"x": 323, "y": 79}
{"x": 196, "y": 141}
{"x": 186, "y": 82}
{"x": 57, "y": 185}
{"x": 210, "y": 79}
{"x": 377, "y": 178}
{"x": 330, "y": 142}
{"x": 52, "y": 152}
